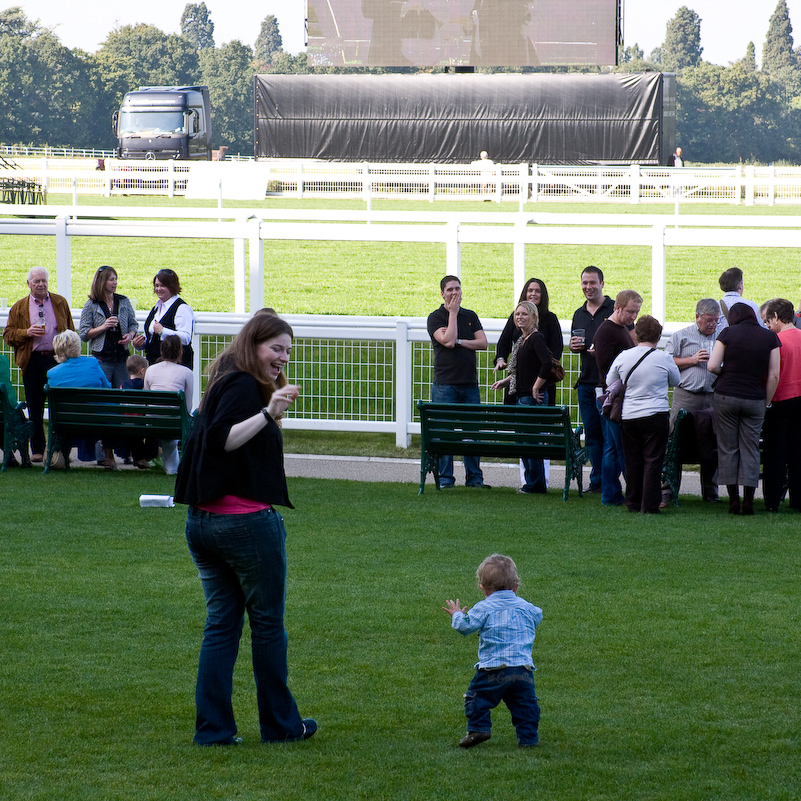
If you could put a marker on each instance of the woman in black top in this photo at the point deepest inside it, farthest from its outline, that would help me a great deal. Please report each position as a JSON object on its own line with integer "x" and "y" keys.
{"x": 529, "y": 366}
{"x": 535, "y": 291}
{"x": 746, "y": 360}
{"x": 231, "y": 476}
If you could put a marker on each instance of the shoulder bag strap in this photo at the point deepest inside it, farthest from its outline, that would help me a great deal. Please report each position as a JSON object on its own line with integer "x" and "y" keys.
{"x": 639, "y": 362}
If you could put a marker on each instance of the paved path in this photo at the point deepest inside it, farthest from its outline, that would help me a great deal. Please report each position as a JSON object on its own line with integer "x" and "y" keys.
{"x": 407, "y": 471}
{"x": 373, "y": 468}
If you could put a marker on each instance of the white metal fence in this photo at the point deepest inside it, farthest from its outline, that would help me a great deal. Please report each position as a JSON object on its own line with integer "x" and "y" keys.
{"x": 520, "y": 183}
{"x": 366, "y": 374}
{"x": 249, "y": 229}
{"x": 361, "y": 374}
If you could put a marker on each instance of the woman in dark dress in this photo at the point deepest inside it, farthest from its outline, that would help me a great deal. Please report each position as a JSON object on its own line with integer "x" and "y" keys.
{"x": 529, "y": 366}
{"x": 232, "y": 477}
{"x": 746, "y": 360}
{"x": 535, "y": 291}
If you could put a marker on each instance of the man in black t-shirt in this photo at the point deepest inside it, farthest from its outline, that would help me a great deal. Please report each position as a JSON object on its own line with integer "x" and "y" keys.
{"x": 456, "y": 334}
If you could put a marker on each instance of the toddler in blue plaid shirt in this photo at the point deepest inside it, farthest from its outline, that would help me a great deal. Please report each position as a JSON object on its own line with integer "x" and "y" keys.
{"x": 504, "y": 671}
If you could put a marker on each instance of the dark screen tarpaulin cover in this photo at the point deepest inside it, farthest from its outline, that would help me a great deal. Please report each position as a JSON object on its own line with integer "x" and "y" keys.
{"x": 547, "y": 119}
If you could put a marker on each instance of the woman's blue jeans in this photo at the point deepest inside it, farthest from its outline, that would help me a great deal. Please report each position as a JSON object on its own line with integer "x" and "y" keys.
{"x": 241, "y": 560}
{"x": 534, "y": 468}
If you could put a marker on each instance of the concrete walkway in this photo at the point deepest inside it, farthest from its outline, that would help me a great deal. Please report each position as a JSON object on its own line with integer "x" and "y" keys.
{"x": 373, "y": 468}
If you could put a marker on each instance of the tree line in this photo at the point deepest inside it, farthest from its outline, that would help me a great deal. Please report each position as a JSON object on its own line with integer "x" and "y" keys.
{"x": 51, "y": 95}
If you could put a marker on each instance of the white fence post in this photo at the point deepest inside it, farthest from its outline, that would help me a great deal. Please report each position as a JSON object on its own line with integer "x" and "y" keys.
{"x": 63, "y": 259}
{"x": 403, "y": 384}
{"x": 256, "y": 257}
{"x": 524, "y": 185}
{"x": 432, "y": 183}
{"x": 750, "y": 181}
{"x": 535, "y": 183}
{"x": 240, "y": 259}
{"x": 771, "y": 185}
{"x": 453, "y": 250}
{"x": 300, "y": 180}
{"x": 519, "y": 257}
{"x": 658, "y": 274}
{"x": 634, "y": 189}
{"x": 44, "y": 174}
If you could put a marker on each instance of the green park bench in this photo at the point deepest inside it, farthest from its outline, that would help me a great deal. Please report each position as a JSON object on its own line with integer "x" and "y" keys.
{"x": 464, "y": 429}
{"x": 114, "y": 414}
{"x": 17, "y": 429}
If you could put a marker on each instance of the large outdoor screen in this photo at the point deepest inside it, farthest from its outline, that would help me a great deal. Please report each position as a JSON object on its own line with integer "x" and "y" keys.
{"x": 477, "y": 33}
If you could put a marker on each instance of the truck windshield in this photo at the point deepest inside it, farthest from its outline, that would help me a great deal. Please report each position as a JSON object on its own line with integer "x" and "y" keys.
{"x": 140, "y": 121}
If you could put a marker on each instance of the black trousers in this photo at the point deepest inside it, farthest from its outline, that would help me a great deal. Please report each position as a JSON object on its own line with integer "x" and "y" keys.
{"x": 644, "y": 444}
{"x": 34, "y": 379}
{"x": 781, "y": 435}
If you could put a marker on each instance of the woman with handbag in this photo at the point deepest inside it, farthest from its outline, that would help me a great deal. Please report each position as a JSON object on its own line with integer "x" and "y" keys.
{"x": 535, "y": 291}
{"x": 646, "y": 373}
{"x": 529, "y": 371}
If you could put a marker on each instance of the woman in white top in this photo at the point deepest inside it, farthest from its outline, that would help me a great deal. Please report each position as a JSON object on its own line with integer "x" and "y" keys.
{"x": 170, "y": 376}
{"x": 645, "y": 413}
{"x": 171, "y": 316}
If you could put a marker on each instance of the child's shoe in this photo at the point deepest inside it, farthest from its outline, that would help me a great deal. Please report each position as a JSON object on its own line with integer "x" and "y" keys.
{"x": 474, "y": 738}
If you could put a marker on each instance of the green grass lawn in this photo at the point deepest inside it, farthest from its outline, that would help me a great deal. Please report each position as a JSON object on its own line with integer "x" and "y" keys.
{"x": 667, "y": 659}
{"x": 402, "y": 278}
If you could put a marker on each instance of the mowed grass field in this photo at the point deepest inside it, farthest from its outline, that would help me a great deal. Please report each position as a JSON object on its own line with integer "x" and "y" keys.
{"x": 403, "y": 278}
{"x": 667, "y": 659}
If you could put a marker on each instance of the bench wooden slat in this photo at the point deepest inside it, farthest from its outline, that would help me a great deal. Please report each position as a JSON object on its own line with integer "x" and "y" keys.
{"x": 501, "y": 431}
{"x": 109, "y": 413}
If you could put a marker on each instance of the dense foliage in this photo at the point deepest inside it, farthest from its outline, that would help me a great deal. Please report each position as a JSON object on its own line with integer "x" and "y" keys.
{"x": 51, "y": 95}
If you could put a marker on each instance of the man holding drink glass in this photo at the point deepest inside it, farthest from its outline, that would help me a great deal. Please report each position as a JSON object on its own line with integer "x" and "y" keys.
{"x": 586, "y": 319}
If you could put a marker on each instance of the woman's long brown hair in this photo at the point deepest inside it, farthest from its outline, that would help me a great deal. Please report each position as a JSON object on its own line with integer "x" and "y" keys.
{"x": 242, "y": 356}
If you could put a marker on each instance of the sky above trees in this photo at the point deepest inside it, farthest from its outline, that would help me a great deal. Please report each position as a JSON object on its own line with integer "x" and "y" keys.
{"x": 726, "y": 29}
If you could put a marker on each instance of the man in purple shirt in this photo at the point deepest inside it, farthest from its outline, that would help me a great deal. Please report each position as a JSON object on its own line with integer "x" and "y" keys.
{"x": 32, "y": 324}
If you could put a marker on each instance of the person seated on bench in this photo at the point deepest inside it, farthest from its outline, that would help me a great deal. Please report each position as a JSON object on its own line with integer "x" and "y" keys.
{"x": 529, "y": 367}
{"x": 170, "y": 375}
{"x": 138, "y": 450}
{"x": 74, "y": 370}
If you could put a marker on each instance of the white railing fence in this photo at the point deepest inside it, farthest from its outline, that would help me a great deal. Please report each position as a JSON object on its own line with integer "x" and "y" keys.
{"x": 362, "y": 374}
{"x": 249, "y": 229}
{"x": 521, "y": 183}
{"x": 366, "y": 373}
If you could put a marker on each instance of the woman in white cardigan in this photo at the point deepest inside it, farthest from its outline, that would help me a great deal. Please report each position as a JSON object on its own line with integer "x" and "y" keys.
{"x": 170, "y": 376}
{"x": 645, "y": 413}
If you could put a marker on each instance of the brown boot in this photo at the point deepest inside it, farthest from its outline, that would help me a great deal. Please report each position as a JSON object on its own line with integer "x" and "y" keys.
{"x": 748, "y": 501}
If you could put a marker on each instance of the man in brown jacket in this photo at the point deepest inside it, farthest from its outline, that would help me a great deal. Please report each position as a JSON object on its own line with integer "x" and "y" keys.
{"x": 32, "y": 324}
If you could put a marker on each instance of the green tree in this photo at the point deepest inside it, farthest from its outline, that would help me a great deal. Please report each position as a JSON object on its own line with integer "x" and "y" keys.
{"x": 630, "y": 54}
{"x": 228, "y": 72}
{"x": 749, "y": 62}
{"x": 197, "y": 27}
{"x": 732, "y": 114}
{"x": 14, "y": 22}
{"x": 269, "y": 42}
{"x": 45, "y": 89}
{"x": 142, "y": 55}
{"x": 779, "y": 60}
{"x": 682, "y": 45}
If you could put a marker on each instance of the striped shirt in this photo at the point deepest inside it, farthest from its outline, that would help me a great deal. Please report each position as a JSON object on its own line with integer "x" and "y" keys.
{"x": 687, "y": 342}
{"x": 505, "y": 626}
